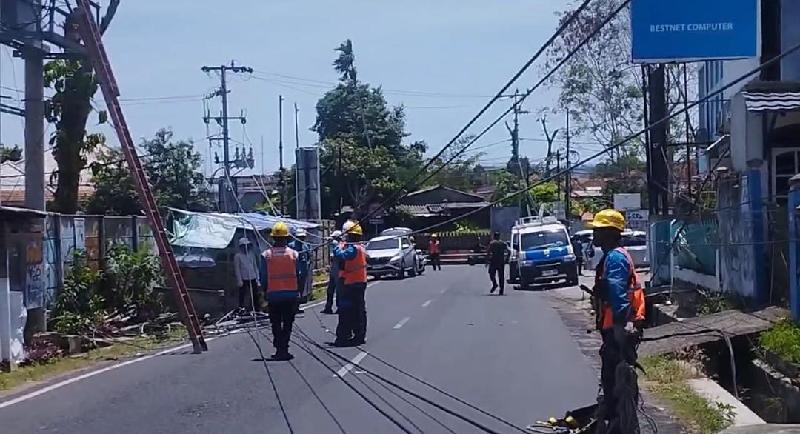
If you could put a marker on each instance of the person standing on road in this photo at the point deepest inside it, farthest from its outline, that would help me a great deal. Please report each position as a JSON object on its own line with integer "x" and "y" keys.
{"x": 333, "y": 277}
{"x": 280, "y": 285}
{"x": 304, "y": 277}
{"x": 245, "y": 268}
{"x": 434, "y": 252}
{"x": 621, "y": 312}
{"x": 352, "y": 327}
{"x": 577, "y": 247}
{"x": 496, "y": 259}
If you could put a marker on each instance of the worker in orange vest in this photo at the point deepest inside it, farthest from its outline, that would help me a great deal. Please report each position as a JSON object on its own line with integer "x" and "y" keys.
{"x": 351, "y": 302}
{"x": 280, "y": 284}
{"x": 434, "y": 252}
{"x": 621, "y": 307}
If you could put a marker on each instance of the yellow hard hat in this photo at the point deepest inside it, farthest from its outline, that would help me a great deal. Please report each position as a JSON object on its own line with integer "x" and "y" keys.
{"x": 352, "y": 227}
{"x": 280, "y": 229}
{"x": 609, "y": 218}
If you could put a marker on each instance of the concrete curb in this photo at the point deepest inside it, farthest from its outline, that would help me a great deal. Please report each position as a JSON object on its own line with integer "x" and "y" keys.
{"x": 713, "y": 392}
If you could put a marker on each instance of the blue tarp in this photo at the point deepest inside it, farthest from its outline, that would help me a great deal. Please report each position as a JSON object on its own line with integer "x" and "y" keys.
{"x": 215, "y": 230}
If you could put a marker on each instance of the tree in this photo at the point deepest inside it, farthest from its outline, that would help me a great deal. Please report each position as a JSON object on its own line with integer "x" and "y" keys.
{"x": 460, "y": 172}
{"x": 363, "y": 156}
{"x": 74, "y": 84}
{"x": 173, "y": 169}
{"x": 600, "y": 85}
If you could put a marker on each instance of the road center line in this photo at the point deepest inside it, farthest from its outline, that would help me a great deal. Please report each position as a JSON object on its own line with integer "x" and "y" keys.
{"x": 353, "y": 363}
{"x": 402, "y": 322}
{"x": 427, "y": 303}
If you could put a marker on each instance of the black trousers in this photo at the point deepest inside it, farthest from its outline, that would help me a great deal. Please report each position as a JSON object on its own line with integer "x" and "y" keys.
{"x": 436, "y": 261}
{"x": 281, "y": 317}
{"x": 352, "y": 311}
{"x": 611, "y": 355}
{"x": 247, "y": 293}
{"x": 497, "y": 276}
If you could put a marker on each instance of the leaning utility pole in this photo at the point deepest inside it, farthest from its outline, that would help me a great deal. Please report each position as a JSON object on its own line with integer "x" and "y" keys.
{"x": 227, "y": 189}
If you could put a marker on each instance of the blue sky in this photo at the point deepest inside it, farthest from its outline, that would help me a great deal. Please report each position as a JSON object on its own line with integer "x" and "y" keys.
{"x": 442, "y": 59}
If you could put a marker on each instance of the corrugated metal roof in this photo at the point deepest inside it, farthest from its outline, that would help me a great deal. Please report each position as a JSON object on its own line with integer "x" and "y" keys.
{"x": 772, "y": 101}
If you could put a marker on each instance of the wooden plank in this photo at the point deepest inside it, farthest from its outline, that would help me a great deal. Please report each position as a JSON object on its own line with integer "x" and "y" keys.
{"x": 691, "y": 332}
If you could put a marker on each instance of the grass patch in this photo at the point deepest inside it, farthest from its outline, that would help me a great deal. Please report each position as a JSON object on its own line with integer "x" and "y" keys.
{"x": 783, "y": 339}
{"x": 61, "y": 365}
{"x": 666, "y": 379}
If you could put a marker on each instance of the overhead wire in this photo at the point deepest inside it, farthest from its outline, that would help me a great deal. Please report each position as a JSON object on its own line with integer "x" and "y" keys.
{"x": 404, "y": 191}
{"x": 618, "y": 144}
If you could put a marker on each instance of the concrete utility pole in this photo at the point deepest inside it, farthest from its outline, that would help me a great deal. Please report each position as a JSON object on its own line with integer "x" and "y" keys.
{"x": 568, "y": 186}
{"x": 227, "y": 186}
{"x": 657, "y": 181}
{"x": 280, "y": 154}
{"x": 296, "y": 127}
{"x": 34, "y": 126}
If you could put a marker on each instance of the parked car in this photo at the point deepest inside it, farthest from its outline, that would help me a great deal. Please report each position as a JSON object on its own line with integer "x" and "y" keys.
{"x": 635, "y": 242}
{"x": 545, "y": 253}
{"x": 392, "y": 255}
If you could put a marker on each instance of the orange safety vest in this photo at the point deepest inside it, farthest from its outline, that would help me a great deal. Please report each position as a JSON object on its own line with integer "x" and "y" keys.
{"x": 635, "y": 295}
{"x": 433, "y": 247}
{"x": 281, "y": 269}
{"x": 355, "y": 270}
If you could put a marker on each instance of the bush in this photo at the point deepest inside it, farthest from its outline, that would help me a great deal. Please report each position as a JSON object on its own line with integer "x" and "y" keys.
{"x": 129, "y": 281}
{"x": 783, "y": 339}
{"x": 78, "y": 306}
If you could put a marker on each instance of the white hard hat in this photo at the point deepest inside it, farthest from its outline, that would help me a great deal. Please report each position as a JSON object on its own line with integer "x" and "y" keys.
{"x": 301, "y": 232}
{"x": 244, "y": 241}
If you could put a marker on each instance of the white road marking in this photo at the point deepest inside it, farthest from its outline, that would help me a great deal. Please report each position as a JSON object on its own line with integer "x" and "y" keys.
{"x": 427, "y": 303}
{"x": 353, "y": 363}
{"x": 402, "y": 322}
{"x": 69, "y": 381}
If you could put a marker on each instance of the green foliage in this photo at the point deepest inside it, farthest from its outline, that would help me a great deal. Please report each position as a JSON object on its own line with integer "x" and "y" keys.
{"x": 666, "y": 378}
{"x": 783, "y": 339}
{"x": 74, "y": 85}
{"x": 10, "y": 154}
{"x": 173, "y": 169}
{"x": 545, "y": 192}
{"x": 506, "y": 183}
{"x": 467, "y": 227}
{"x": 129, "y": 280}
{"x": 714, "y": 303}
{"x": 363, "y": 155}
{"x": 458, "y": 171}
{"x": 78, "y": 306}
{"x": 114, "y": 192}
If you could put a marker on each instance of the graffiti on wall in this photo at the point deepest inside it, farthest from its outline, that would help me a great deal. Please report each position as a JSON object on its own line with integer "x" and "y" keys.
{"x": 737, "y": 254}
{"x": 34, "y": 275}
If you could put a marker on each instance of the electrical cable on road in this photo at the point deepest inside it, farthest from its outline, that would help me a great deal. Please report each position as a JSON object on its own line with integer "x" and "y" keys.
{"x": 500, "y": 94}
{"x": 369, "y": 388}
{"x": 426, "y": 383}
{"x": 403, "y": 389}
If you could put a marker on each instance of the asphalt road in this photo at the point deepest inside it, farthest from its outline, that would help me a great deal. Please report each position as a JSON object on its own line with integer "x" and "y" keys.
{"x": 510, "y": 357}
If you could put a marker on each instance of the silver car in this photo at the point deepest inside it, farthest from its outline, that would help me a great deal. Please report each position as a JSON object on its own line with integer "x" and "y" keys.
{"x": 391, "y": 255}
{"x": 635, "y": 242}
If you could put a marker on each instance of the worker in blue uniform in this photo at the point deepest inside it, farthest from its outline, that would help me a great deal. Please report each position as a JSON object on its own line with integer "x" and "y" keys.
{"x": 352, "y": 327}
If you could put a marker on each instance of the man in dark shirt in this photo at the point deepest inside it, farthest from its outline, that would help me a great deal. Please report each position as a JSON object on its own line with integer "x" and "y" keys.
{"x": 496, "y": 258}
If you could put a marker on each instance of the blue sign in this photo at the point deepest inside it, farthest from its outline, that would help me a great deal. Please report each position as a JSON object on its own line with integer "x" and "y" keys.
{"x": 685, "y": 30}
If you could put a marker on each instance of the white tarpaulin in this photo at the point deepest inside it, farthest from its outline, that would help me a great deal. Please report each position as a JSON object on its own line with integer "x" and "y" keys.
{"x": 215, "y": 230}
